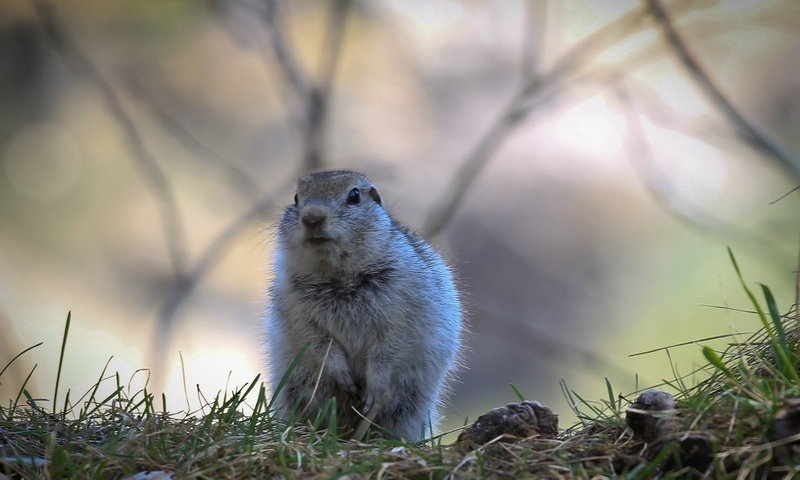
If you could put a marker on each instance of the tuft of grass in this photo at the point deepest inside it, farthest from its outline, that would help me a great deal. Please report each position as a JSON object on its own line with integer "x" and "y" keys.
{"x": 235, "y": 434}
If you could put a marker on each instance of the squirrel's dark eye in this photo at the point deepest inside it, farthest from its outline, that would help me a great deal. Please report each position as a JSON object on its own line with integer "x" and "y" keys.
{"x": 295, "y": 199}
{"x": 354, "y": 196}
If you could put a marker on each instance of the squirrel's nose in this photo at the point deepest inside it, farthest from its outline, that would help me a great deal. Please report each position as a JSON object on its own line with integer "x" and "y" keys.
{"x": 313, "y": 218}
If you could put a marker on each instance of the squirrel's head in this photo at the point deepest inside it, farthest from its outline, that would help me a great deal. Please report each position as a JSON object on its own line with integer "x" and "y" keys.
{"x": 336, "y": 215}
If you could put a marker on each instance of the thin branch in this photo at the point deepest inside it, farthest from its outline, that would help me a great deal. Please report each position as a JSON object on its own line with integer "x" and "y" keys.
{"x": 533, "y": 38}
{"x": 293, "y": 73}
{"x": 318, "y": 100}
{"x": 785, "y": 195}
{"x": 212, "y": 254}
{"x": 532, "y": 93}
{"x": 247, "y": 23}
{"x": 668, "y": 196}
{"x": 586, "y": 50}
{"x": 313, "y": 95}
{"x": 654, "y": 178}
{"x": 243, "y": 182}
{"x": 515, "y": 111}
{"x": 149, "y": 168}
{"x": 548, "y": 345}
{"x": 748, "y": 131}
{"x": 451, "y": 199}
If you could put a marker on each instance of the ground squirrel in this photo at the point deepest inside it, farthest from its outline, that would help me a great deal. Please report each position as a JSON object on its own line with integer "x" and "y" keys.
{"x": 375, "y": 303}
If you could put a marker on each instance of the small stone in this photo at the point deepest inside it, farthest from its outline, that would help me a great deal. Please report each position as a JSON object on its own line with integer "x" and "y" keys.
{"x": 511, "y": 423}
{"x": 652, "y": 419}
{"x": 649, "y": 416}
{"x": 695, "y": 452}
{"x": 787, "y": 424}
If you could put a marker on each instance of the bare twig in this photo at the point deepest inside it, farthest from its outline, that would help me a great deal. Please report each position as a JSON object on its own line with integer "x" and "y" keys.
{"x": 248, "y": 22}
{"x": 532, "y": 93}
{"x": 443, "y": 210}
{"x": 318, "y": 101}
{"x": 795, "y": 189}
{"x": 570, "y": 69}
{"x": 242, "y": 181}
{"x": 667, "y": 195}
{"x": 463, "y": 179}
{"x": 211, "y": 255}
{"x": 294, "y": 74}
{"x": 185, "y": 285}
{"x": 534, "y": 36}
{"x": 314, "y": 95}
{"x": 316, "y": 98}
{"x": 260, "y": 22}
{"x": 748, "y": 131}
{"x": 149, "y": 168}
{"x": 549, "y": 346}
{"x": 652, "y": 175}
{"x": 582, "y": 54}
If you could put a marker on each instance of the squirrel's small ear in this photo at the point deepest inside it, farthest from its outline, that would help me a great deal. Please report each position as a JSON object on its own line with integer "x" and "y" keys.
{"x": 373, "y": 192}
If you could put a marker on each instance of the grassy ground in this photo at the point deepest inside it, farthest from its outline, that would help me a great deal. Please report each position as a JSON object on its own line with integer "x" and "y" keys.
{"x": 742, "y": 422}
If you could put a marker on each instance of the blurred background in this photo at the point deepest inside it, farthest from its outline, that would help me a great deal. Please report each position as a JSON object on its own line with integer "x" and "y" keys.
{"x": 583, "y": 165}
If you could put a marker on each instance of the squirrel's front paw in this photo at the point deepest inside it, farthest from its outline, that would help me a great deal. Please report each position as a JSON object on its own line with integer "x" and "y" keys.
{"x": 369, "y": 402}
{"x": 373, "y": 403}
{"x": 344, "y": 379}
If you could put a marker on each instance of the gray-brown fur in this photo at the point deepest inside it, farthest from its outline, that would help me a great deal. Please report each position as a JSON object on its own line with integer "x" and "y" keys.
{"x": 375, "y": 302}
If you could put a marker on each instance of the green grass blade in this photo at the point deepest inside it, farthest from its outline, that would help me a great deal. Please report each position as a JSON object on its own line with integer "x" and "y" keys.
{"x": 517, "y": 392}
{"x": 573, "y": 405}
{"x": 61, "y": 359}
{"x": 103, "y": 403}
{"x": 32, "y": 401}
{"x": 774, "y": 315}
{"x": 93, "y": 391}
{"x": 17, "y": 356}
{"x": 251, "y": 387}
{"x": 716, "y": 361}
{"x": 22, "y": 389}
{"x": 751, "y": 296}
{"x": 285, "y": 377}
{"x": 610, "y": 390}
{"x": 782, "y": 350}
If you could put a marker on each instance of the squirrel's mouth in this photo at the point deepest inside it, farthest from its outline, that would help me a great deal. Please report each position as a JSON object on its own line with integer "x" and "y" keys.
{"x": 318, "y": 240}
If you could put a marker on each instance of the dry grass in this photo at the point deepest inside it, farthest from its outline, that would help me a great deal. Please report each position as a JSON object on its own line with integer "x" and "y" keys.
{"x": 742, "y": 422}
{"x": 116, "y": 442}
